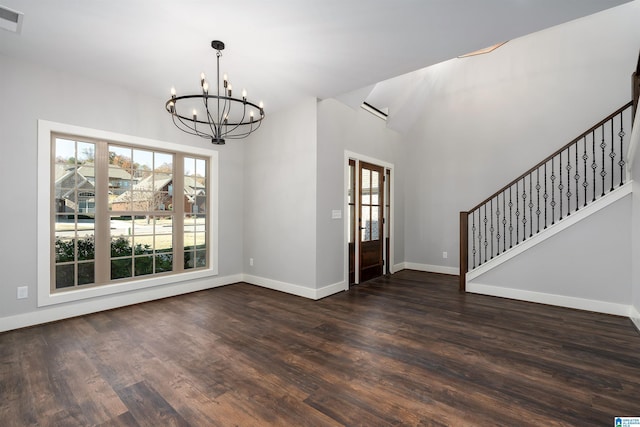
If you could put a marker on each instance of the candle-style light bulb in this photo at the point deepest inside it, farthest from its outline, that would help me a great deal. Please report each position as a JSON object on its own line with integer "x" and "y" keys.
{"x": 229, "y": 89}
{"x": 173, "y": 92}
{"x": 195, "y": 115}
{"x": 261, "y": 105}
{"x": 205, "y": 87}
{"x": 251, "y": 115}
{"x": 202, "y": 77}
{"x": 172, "y": 107}
{"x": 225, "y": 80}
{"x": 244, "y": 94}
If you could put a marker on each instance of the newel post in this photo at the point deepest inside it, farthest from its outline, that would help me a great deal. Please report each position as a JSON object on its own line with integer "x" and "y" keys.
{"x": 464, "y": 250}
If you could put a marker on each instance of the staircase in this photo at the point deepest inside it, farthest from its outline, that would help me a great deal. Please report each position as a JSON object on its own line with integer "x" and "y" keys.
{"x": 571, "y": 179}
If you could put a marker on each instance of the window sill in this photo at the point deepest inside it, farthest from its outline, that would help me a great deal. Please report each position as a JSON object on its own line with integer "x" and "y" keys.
{"x": 46, "y": 298}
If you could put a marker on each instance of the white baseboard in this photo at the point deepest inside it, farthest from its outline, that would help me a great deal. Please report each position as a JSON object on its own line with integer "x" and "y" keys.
{"x": 290, "y": 288}
{"x": 551, "y": 299}
{"x": 276, "y": 285}
{"x": 635, "y": 314}
{"x": 431, "y": 268}
{"x": 328, "y": 290}
{"x": 398, "y": 267}
{"x": 79, "y": 308}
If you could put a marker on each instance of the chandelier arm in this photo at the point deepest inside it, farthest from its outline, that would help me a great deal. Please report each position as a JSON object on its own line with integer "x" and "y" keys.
{"x": 240, "y": 123}
{"x": 186, "y": 128}
{"x": 224, "y": 114}
{"x": 247, "y": 133}
{"x": 211, "y": 122}
{"x": 195, "y": 129}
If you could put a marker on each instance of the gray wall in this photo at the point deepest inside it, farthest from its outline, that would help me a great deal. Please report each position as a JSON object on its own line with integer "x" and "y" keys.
{"x": 35, "y": 92}
{"x": 491, "y": 117}
{"x": 280, "y": 197}
{"x": 342, "y": 128}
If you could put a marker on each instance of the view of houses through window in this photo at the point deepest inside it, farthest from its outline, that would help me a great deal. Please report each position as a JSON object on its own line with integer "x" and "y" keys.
{"x": 122, "y": 212}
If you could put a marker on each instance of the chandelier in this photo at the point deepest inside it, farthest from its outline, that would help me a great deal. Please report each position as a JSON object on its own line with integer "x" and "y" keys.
{"x": 223, "y": 116}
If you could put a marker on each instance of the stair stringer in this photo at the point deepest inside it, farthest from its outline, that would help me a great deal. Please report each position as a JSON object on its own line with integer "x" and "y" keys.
{"x": 473, "y": 285}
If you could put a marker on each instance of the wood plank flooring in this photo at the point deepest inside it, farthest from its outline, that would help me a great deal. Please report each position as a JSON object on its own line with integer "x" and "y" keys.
{"x": 407, "y": 349}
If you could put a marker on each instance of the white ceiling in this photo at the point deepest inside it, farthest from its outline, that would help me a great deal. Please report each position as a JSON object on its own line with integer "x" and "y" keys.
{"x": 279, "y": 50}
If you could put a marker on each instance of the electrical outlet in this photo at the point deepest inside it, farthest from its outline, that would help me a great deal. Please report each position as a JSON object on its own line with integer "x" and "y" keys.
{"x": 251, "y": 262}
{"x": 444, "y": 255}
{"x": 23, "y": 292}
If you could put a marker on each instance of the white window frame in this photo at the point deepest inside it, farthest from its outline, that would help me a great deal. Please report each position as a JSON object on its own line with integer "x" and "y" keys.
{"x": 45, "y": 296}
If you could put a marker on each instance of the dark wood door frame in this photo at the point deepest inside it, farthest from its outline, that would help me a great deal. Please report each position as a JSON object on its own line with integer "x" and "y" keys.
{"x": 370, "y": 236}
{"x": 352, "y": 232}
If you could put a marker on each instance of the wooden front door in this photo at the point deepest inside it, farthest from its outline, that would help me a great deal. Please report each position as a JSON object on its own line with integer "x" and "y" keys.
{"x": 370, "y": 220}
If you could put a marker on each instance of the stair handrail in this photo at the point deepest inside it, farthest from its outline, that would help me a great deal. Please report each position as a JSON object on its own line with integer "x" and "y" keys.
{"x": 557, "y": 152}
{"x": 464, "y": 215}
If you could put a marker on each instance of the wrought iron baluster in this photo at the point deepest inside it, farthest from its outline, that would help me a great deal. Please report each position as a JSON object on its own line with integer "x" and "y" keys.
{"x": 491, "y": 229}
{"x": 530, "y": 206}
{"x": 485, "y": 233}
{"x": 479, "y": 237}
{"x": 553, "y": 193}
{"x": 612, "y": 155}
{"x": 538, "y": 212}
{"x": 576, "y": 177}
{"x": 603, "y": 173}
{"x": 560, "y": 186}
{"x": 517, "y": 214}
{"x": 504, "y": 222}
{"x": 585, "y": 157}
{"x": 594, "y": 165}
{"x": 510, "y": 220}
{"x": 621, "y": 163}
{"x": 545, "y": 196}
{"x": 498, "y": 225}
{"x": 524, "y": 209}
{"x": 568, "y": 167}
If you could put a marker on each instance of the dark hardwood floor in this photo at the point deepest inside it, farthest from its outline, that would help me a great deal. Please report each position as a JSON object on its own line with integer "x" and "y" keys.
{"x": 401, "y": 350}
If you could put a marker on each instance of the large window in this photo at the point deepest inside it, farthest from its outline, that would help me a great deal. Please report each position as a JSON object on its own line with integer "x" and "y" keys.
{"x": 125, "y": 198}
{"x": 124, "y": 214}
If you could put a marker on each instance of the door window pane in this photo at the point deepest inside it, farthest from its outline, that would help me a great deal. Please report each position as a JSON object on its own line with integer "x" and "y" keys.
{"x": 375, "y": 189}
{"x": 366, "y": 223}
{"x": 365, "y": 183}
{"x": 375, "y": 224}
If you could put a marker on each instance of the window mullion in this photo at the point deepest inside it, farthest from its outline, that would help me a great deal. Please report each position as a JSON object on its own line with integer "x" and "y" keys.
{"x": 102, "y": 220}
{"x": 178, "y": 210}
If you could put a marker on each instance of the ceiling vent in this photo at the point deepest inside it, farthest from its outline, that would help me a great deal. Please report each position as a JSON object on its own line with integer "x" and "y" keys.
{"x": 10, "y": 20}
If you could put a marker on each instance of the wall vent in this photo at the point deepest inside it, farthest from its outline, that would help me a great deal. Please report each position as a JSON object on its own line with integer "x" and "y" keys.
{"x": 380, "y": 113}
{"x": 10, "y": 20}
